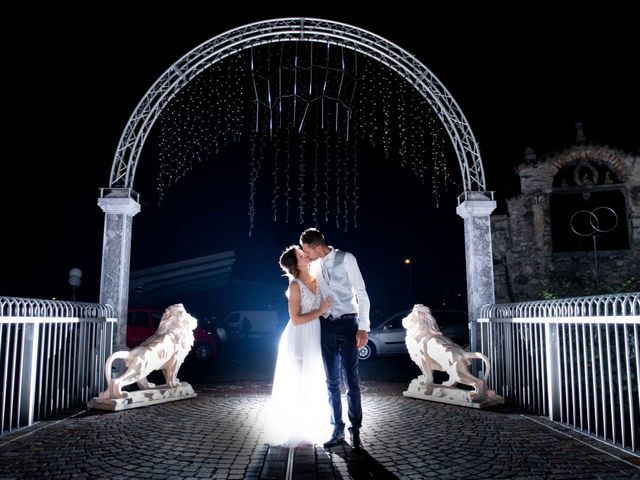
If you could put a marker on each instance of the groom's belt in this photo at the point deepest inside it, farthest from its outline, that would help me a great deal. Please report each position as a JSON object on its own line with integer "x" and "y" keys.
{"x": 346, "y": 316}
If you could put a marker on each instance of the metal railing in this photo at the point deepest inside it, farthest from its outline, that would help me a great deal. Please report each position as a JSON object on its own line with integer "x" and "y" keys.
{"x": 52, "y": 357}
{"x": 575, "y": 360}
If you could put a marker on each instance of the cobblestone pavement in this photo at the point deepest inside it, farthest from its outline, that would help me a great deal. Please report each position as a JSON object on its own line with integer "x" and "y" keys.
{"x": 218, "y": 435}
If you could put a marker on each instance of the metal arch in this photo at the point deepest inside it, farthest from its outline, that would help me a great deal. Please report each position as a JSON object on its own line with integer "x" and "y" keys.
{"x": 294, "y": 30}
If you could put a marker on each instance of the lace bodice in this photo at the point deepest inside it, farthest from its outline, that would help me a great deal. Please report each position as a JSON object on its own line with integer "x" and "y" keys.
{"x": 308, "y": 300}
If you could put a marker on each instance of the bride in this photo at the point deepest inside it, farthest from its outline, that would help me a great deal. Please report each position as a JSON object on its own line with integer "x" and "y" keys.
{"x": 299, "y": 407}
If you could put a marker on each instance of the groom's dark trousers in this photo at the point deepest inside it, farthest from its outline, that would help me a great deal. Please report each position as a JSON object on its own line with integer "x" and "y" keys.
{"x": 338, "y": 341}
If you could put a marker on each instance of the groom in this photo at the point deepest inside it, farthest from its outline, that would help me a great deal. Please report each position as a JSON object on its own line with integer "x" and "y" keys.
{"x": 343, "y": 328}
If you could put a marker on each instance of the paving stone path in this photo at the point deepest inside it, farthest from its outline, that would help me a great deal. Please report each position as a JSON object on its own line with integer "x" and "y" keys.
{"x": 219, "y": 435}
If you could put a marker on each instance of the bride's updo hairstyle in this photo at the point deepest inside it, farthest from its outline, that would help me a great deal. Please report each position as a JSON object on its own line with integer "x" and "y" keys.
{"x": 289, "y": 262}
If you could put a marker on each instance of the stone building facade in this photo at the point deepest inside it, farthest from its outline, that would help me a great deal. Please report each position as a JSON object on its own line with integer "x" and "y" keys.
{"x": 584, "y": 196}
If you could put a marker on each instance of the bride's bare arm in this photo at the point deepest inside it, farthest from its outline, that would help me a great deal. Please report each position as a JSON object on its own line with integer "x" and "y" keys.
{"x": 295, "y": 306}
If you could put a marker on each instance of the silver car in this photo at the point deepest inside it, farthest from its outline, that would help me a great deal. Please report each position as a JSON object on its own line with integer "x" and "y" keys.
{"x": 387, "y": 338}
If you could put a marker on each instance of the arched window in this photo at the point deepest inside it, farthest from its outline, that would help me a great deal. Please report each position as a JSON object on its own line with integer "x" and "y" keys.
{"x": 588, "y": 202}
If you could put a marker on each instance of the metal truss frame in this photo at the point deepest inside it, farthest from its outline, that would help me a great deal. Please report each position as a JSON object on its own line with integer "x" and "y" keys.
{"x": 296, "y": 30}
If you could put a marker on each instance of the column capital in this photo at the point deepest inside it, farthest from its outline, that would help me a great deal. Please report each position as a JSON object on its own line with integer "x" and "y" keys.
{"x": 119, "y": 203}
{"x": 476, "y": 205}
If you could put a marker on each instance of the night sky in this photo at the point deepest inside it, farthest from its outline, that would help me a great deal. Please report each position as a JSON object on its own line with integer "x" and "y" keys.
{"x": 521, "y": 83}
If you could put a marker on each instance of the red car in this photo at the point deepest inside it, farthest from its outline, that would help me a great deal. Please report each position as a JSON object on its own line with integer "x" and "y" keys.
{"x": 143, "y": 322}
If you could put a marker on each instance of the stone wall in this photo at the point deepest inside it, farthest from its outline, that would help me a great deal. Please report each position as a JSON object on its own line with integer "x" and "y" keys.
{"x": 525, "y": 265}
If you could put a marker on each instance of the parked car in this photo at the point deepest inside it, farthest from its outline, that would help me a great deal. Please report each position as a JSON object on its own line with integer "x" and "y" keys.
{"x": 143, "y": 322}
{"x": 387, "y": 338}
{"x": 252, "y": 323}
{"x": 213, "y": 327}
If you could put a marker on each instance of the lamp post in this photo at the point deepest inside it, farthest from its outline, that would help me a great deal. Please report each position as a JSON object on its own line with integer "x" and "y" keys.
{"x": 75, "y": 279}
{"x": 408, "y": 263}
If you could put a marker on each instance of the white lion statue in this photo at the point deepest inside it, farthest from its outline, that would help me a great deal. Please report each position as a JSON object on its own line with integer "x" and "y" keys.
{"x": 165, "y": 350}
{"x": 430, "y": 350}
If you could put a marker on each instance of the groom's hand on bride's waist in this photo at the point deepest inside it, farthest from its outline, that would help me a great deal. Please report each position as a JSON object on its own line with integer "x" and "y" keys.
{"x": 361, "y": 338}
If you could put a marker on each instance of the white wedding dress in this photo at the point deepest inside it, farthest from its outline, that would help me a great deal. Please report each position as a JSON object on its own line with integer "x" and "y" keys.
{"x": 298, "y": 411}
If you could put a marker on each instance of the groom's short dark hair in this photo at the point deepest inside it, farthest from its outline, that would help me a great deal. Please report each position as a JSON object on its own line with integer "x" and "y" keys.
{"x": 312, "y": 237}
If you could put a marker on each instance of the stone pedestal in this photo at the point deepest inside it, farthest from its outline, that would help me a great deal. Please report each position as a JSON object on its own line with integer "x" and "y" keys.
{"x": 144, "y": 398}
{"x": 454, "y": 396}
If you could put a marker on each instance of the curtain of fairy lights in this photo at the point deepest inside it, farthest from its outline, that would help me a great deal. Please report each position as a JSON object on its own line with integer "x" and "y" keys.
{"x": 304, "y": 108}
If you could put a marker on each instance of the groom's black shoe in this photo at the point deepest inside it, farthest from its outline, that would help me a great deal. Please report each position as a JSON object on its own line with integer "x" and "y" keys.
{"x": 336, "y": 438}
{"x": 356, "y": 443}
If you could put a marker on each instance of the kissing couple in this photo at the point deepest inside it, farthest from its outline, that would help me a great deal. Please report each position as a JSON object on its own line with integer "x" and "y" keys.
{"x": 328, "y": 323}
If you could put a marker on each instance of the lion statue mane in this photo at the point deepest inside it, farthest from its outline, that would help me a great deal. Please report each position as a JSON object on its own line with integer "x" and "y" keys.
{"x": 165, "y": 350}
{"x": 431, "y": 350}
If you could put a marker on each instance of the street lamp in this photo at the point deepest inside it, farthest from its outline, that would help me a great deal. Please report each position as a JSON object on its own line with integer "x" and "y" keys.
{"x": 75, "y": 279}
{"x": 408, "y": 263}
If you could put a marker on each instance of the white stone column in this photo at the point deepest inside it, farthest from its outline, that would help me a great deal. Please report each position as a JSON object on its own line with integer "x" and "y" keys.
{"x": 475, "y": 210}
{"x": 119, "y": 208}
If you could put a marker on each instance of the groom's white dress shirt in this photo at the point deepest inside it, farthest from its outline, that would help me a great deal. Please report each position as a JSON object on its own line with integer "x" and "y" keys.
{"x": 353, "y": 299}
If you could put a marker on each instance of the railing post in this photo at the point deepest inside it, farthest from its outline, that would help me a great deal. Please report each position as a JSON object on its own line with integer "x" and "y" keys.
{"x": 552, "y": 351}
{"x": 27, "y": 398}
{"x": 507, "y": 338}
